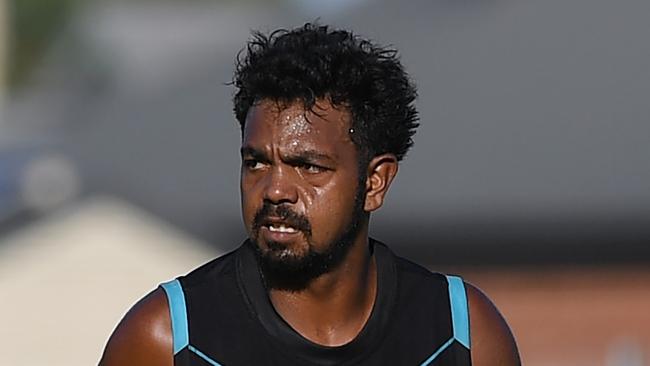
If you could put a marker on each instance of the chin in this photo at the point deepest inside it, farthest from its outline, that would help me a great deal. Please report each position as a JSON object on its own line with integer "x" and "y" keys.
{"x": 286, "y": 256}
{"x": 283, "y": 250}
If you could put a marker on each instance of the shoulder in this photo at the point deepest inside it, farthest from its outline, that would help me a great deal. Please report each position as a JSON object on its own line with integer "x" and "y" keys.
{"x": 491, "y": 339}
{"x": 144, "y": 336}
{"x": 492, "y": 342}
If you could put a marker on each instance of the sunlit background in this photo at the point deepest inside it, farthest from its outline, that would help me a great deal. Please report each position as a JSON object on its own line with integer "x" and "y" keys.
{"x": 530, "y": 173}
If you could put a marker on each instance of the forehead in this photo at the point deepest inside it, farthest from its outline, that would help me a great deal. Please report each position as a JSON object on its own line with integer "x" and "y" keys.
{"x": 274, "y": 123}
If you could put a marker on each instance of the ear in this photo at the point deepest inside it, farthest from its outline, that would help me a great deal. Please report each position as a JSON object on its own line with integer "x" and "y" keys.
{"x": 381, "y": 171}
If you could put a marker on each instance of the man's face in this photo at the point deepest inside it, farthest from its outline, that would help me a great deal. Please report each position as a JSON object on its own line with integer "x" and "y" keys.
{"x": 301, "y": 198}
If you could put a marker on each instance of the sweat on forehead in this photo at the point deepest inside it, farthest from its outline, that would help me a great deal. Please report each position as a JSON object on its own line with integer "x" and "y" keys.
{"x": 296, "y": 124}
{"x": 297, "y": 118}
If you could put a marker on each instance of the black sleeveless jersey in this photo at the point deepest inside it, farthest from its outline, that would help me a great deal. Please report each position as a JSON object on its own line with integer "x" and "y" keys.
{"x": 221, "y": 316}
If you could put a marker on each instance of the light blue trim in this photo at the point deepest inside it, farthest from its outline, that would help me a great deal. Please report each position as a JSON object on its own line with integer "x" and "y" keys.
{"x": 177, "y": 313}
{"x": 204, "y": 356}
{"x": 436, "y": 353}
{"x": 459, "y": 310}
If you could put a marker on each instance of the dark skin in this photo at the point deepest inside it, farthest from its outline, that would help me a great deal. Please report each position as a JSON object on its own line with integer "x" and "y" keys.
{"x": 309, "y": 162}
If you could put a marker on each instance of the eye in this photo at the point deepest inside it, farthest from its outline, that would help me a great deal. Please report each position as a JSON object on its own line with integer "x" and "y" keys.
{"x": 252, "y": 164}
{"x": 311, "y": 168}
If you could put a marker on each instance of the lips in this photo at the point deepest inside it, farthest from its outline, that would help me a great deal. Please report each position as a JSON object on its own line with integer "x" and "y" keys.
{"x": 281, "y": 228}
{"x": 280, "y": 237}
{"x": 280, "y": 224}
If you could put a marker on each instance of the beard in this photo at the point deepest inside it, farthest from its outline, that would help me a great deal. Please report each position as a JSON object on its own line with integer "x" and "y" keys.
{"x": 282, "y": 270}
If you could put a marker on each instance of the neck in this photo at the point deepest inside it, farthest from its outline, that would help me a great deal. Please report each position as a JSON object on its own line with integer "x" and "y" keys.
{"x": 334, "y": 307}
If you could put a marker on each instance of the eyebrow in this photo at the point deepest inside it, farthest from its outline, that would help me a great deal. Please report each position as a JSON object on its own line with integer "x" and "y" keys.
{"x": 308, "y": 156}
{"x": 257, "y": 154}
{"x": 303, "y": 156}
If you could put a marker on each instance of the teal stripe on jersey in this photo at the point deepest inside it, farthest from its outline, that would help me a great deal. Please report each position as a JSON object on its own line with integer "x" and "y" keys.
{"x": 178, "y": 314}
{"x": 431, "y": 358}
{"x": 459, "y": 310}
{"x": 203, "y": 356}
{"x": 459, "y": 317}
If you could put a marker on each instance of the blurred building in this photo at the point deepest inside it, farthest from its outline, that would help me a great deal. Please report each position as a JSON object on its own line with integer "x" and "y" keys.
{"x": 68, "y": 279}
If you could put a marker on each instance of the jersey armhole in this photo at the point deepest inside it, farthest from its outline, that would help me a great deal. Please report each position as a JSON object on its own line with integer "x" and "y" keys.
{"x": 459, "y": 310}
{"x": 177, "y": 313}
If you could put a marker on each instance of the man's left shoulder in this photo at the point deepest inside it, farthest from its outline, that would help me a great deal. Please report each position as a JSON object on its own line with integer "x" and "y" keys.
{"x": 492, "y": 342}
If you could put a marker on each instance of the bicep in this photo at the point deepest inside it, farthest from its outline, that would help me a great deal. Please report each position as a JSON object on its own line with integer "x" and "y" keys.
{"x": 492, "y": 342}
{"x": 143, "y": 336}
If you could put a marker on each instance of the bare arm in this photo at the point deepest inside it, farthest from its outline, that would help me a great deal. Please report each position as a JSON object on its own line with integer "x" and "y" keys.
{"x": 144, "y": 336}
{"x": 492, "y": 341}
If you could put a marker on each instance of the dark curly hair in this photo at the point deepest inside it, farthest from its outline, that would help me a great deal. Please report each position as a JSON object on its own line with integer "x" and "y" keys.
{"x": 313, "y": 62}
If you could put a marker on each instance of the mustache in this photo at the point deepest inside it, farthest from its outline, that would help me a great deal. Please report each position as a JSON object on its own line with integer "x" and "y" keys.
{"x": 284, "y": 213}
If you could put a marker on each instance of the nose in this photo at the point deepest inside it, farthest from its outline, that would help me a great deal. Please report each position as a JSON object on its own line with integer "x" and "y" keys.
{"x": 279, "y": 186}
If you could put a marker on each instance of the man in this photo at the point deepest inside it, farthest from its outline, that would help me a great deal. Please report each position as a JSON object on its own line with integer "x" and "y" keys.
{"x": 325, "y": 118}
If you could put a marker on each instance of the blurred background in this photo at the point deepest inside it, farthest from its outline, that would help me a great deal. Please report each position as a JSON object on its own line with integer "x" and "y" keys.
{"x": 529, "y": 176}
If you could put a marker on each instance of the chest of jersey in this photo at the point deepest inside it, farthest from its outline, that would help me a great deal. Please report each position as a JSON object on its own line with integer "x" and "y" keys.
{"x": 222, "y": 316}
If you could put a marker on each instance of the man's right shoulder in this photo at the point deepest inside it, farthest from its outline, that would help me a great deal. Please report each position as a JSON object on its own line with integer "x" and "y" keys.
{"x": 144, "y": 336}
